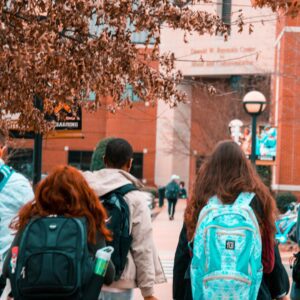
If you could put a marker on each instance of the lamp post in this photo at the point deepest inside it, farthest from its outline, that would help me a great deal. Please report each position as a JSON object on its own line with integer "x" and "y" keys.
{"x": 254, "y": 104}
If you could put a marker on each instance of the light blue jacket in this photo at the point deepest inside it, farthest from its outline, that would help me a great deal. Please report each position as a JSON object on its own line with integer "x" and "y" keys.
{"x": 16, "y": 192}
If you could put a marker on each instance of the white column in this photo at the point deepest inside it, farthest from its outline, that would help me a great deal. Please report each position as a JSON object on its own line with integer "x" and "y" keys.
{"x": 173, "y": 141}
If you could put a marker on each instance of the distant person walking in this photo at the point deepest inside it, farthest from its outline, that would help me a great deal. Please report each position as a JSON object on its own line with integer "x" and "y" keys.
{"x": 15, "y": 191}
{"x": 182, "y": 191}
{"x": 135, "y": 257}
{"x": 230, "y": 222}
{"x": 161, "y": 195}
{"x": 172, "y": 194}
{"x": 58, "y": 233}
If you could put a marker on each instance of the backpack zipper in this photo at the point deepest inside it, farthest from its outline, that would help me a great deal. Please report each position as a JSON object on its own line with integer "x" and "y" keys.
{"x": 244, "y": 280}
{"x": 23, "y": 272}
{"x": 237, "y": 234}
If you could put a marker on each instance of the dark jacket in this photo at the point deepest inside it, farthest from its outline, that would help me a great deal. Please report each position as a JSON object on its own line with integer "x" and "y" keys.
{"x": 274, "y": 283}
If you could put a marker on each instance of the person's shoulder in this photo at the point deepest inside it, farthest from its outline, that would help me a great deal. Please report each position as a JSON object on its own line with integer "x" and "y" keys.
{"x": 137, "y": 195}
{"x": 20, "y": 178}
{"x": 138, "y": 199}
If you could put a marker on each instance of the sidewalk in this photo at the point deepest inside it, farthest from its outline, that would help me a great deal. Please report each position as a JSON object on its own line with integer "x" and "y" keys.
{"x": 166, "y": 234}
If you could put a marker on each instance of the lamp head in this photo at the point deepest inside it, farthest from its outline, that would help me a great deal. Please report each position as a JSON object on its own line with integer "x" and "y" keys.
{"x": 254, "y": 103}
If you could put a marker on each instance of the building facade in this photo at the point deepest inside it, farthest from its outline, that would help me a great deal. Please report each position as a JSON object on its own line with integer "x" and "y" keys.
{"x": 286, "y": 173}
{"x": 217, "y": 74}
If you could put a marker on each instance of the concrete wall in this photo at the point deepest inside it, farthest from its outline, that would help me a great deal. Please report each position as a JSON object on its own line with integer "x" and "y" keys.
{"x": 173, "y": 141}
{"x": 242, "y": 53}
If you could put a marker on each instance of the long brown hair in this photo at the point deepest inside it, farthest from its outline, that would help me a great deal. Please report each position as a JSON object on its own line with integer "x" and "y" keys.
{"x": 65, "y": 192}
{"x": 226, "y": 173}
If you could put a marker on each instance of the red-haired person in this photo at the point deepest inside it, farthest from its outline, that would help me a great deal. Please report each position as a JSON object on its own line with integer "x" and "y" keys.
{"x": 65, "y": 223}
{"x": 226, "y": 173}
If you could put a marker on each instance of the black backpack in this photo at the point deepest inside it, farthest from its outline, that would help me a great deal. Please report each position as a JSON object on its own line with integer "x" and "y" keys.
{"x": 53, "y": 260}
{"x": 118, "y": 224}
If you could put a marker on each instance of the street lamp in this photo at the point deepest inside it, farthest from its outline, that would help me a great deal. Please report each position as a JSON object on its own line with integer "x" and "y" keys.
{"x": 254, "y": 104}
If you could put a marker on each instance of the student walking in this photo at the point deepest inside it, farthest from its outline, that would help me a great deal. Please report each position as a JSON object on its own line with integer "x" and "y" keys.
{"x": 230, "y": 220}
{"x": 135, "y": 257}
{"x": 58, "y": 234}
{"x": 182, "y": 191}
{"x": 172, "y": 194}
{"x": 15, "y": 191}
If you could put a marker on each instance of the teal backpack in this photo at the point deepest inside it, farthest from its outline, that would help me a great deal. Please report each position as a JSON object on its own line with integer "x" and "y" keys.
{"x": 227, "y": 251}
{"x": 172, "y": 190}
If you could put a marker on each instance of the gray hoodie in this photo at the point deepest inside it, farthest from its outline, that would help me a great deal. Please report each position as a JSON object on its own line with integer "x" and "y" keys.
{"x": 143, "y": 268}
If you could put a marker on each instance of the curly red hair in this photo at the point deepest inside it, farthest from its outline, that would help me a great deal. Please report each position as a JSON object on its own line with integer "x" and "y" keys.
{"x": 65, "y": 192}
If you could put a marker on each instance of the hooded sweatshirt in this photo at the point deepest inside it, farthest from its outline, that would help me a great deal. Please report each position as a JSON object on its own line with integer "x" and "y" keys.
{"x": 143, "y": 268}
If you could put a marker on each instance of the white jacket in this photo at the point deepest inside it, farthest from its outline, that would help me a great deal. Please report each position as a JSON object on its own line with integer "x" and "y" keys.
{"x": 143, "y": 268}
{"x": 16, "y": 192}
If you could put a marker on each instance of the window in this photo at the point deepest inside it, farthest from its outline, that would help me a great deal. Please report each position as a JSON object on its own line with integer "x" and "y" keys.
{"x": 137, "y": 37}
{"x": 21, "y": 160}
{"x": 137, "y": 165}
{"x": 80, "y": 159}
{"x": 226, "y": 11}
{"x": 130, "y": 94}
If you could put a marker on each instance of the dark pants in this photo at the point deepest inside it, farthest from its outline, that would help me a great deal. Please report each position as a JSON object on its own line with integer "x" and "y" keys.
{"x": 171, "y": 207}
{"x": 161, "y": 196}
{"x": 161, "y": 201}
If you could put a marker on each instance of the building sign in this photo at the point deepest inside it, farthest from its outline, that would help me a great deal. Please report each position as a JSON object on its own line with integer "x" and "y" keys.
{"x": 67, "y": 118}
{"x": 224, "y": 56}
{"x": 266, "y": 142}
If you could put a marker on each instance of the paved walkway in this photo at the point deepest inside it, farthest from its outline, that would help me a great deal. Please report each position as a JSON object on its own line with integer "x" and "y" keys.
{"x": 166, "y": 234}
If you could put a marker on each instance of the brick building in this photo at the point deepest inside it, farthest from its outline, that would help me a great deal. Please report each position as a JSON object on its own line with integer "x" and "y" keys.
{"x": 137, "y": 125}
{"x": 286, "y": 172}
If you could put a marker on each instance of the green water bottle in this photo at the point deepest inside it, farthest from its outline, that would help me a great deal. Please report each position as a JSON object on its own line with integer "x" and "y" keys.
{"x": 102, "y": 259}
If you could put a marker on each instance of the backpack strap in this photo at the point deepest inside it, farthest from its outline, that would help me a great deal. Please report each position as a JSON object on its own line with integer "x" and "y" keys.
{"x": 125, "y": 189}
{"x": 6, "y": 172}
{"x": 244, "y": 199}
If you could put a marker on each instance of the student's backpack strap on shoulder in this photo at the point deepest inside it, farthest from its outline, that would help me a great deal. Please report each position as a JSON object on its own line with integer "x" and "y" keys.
{"x": 5, "y": 173}
{"x": 123, "y": 190}
{"x": 244, "y": 199}
{"x": 119, "y": 224}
